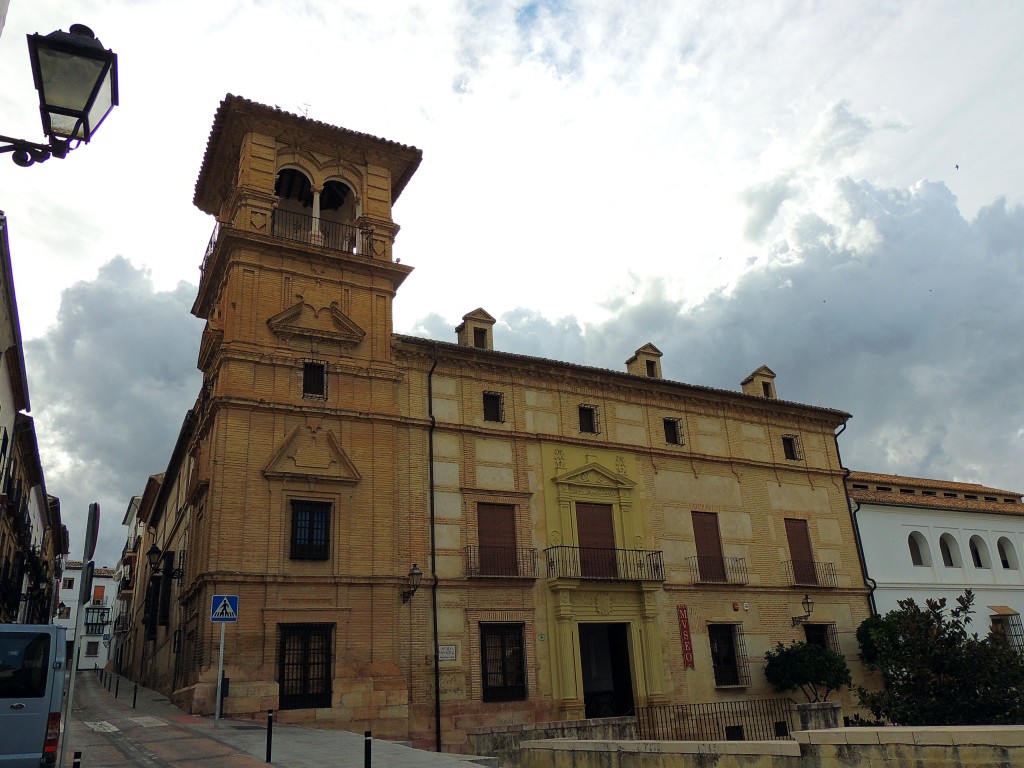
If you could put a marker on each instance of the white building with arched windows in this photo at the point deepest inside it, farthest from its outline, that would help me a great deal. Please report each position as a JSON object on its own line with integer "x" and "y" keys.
{"x": 933, "y": 538}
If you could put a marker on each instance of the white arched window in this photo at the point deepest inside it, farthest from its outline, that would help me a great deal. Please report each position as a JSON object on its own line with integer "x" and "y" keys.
{"x": 1007, "y": 554}
{"x": 979, "y": 552}
{"x": 919, "y": 552}
{"x": 950, "y": 551}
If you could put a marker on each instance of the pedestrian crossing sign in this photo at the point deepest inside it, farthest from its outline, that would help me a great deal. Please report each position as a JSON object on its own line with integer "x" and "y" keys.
{"x": 224, "y": 608}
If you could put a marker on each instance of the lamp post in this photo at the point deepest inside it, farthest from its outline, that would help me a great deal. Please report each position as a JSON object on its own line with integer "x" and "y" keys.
{"x": 77, "y": 82}
{"x": 415, "y": 577}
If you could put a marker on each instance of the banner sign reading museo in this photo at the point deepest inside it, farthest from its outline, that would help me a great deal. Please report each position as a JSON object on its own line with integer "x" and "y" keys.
{"x": 684, "y": 634}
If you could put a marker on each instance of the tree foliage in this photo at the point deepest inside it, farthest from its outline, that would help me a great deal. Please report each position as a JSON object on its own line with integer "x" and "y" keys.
{"x": 936, "y": 672}
{"x": 814, "y": 670}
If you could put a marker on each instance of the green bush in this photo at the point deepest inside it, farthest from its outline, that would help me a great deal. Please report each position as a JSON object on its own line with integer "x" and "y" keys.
{"x": 816, "y": 671}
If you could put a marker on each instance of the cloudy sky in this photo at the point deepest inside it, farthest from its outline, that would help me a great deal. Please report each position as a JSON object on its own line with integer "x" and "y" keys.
{"x": 739, "y": 183}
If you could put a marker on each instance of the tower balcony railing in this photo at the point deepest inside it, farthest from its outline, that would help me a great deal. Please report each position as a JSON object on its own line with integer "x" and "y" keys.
{"x": 604, "y": 564}
{"x": 327, "y": 234}
{"x": 717, "y": 570}
{"x": 508, "y": 562}
{"x": 810, "y": 573}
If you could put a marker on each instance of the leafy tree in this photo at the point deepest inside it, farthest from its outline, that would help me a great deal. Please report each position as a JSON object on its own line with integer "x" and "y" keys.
{"x": 937, "y": 673}
{"x": 814, "y": 670}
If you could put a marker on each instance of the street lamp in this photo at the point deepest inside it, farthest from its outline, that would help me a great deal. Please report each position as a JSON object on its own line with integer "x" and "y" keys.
{"x": 415, "y": 577}
{"x": 808, "y": 606}
{"x": 153, "y": 557}
{"x": 77, "y": 82}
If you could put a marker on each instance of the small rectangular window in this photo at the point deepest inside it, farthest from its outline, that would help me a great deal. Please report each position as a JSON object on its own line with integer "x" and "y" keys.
{"x": 949, "y": 495}
{"x": 92, "y": 648}
{"x": 860, "y": 487}
{"x": 503, "y": 656}
{"x": 927, "y": 493}
{"x": 494, "y": 406}
{"x": 883, "y": 488}
{"x": 907, "y": 490}
{"x": 588, "y": 419}
{"x": 728, "y": 655}
{"x": 991, "y": 498}
{"x": 767, "y": 389}
{"x": 480, "y": 338}
{"x": 823, "y": 635}
{"x": 314, "y": 379}
{"x": 310, "y": 530}
{"x": 673, "y": 434}
{"x": 68, "y": 584}
{"x": 971, "y": 496}
{"x": 652, "y": 369}
{"x": 791, "y": 447}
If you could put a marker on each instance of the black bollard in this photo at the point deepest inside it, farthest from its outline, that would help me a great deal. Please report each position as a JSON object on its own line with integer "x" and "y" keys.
{"x": 77, "y": 763}
{"x": 135, "y": 695}
{"x": 108, "y": 682}
{"x": 117, "y": 686}
{"x": 366, "y": 749}
{"x": 270, "y": 732}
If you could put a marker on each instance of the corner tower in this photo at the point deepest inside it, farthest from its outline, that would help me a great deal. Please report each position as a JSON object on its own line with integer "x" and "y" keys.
{"x": 295, "y": 462}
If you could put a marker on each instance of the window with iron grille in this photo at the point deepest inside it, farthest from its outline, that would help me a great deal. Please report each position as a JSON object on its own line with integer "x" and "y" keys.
{"x": 314, "y": 379}
{"x": 822, "y": 635}
{"x": 96, "y": 620}
{"x": 729, "y": 655}
{"x": 1009, "y": 626}
{"x": 588, "y": 419}
{"x": 791, "y": 447}
{"x": 494, "y": 406}
{"x": 305, "y": 666}
{"x": 310, "y": 529}
{"x": 503, "y": 654}
{"x": 673, "y": 432}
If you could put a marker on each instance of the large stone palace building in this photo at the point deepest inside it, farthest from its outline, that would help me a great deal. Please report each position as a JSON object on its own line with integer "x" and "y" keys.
{"x": 430, "y": 538}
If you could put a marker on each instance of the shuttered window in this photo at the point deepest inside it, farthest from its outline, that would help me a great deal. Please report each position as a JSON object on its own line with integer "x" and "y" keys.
{"x": 710, "y": 562}
{"x": 595, "y": 532}
{"x": 496, "y": 533}
{"x": 800, "y": 550}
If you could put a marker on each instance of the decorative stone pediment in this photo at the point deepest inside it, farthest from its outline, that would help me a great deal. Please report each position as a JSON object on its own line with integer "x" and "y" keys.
{"x": 312, "y": 453}
{"x": 594, "y": 475}
{"x": 326, "y": 324}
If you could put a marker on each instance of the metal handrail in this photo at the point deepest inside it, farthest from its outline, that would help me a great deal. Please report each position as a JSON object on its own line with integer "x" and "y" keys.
{"x": 717, "y": 570}
{"x": 810, "y": 573}
{"x": 489, "y": 561}
{"x": 327, "y": 234}
{"x": 605, "y": 564}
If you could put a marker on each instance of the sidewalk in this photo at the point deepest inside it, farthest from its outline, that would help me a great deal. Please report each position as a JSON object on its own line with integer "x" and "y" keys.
{"x": 156, "y": 734}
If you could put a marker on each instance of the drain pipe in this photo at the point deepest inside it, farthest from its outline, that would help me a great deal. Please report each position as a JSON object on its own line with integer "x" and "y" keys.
{"x": 433, "y": 553}
{"x": 854, "y": 507}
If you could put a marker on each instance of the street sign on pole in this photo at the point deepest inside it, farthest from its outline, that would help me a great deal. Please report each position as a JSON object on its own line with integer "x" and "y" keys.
{"x": 223, "y": 609}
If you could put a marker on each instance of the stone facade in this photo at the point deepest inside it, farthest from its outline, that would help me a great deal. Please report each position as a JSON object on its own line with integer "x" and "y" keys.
{"x": 550, "y": 506}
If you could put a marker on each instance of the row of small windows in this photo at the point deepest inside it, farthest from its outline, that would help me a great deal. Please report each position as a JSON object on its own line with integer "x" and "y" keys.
{"x": 930, "y": 493}
{"x": 949, "y": 550}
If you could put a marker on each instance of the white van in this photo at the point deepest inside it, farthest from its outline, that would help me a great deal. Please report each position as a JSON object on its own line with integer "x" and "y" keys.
{"x": 31, "y": 694}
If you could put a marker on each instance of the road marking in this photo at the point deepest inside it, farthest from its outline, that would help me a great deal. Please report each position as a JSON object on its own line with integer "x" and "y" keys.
{"x": 148, "y": 722}
{"x": 103, "y": 727}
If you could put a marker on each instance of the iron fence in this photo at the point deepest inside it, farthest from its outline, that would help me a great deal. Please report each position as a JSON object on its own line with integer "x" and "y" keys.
{"x": 810, "y": 573}
{"x": 605, "y": 564}
{"x": 717, "y": 570}
{"x": 501, "y": 561}
{"x": 754, "y": 720}
{"x": 328, "y": 234}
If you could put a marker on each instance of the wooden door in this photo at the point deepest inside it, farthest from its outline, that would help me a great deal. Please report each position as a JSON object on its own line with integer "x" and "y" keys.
{"x": 710, "y": 563}
{"x": 595, "y": 531}
{"x": 496, "y": 532}
{"x": 800, "y": 550}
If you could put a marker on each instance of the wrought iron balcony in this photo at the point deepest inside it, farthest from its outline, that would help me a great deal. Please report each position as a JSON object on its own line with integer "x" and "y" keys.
{"x": 509, "y": 562}
{"x": 327, "y": 234}
{"x": 717, "y": 570}
{"x": 125, "y": 589}
{"x": 604, "y": 564}
{"x": 810, "y": 573}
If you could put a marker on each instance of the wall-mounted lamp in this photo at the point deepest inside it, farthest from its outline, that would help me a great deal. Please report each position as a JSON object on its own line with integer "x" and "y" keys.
{"x": 153, "y": 556}
{"x": 77, "y": 82}
{"x": 808, "y": 605}
{"x": 415, "y": 577}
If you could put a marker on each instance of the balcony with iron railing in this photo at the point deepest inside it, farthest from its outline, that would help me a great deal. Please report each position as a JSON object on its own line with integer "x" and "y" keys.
{"x": 125, "y": 589}
{"x": 717, "y": 570}
{"x": 501, "y": 562}
{"x": 810, "y": 573}
{"x": 604, "y": 564}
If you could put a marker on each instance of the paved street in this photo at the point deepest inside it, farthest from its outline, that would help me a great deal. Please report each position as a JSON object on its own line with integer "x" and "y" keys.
{"x": 155, "y": 734}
